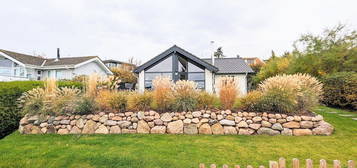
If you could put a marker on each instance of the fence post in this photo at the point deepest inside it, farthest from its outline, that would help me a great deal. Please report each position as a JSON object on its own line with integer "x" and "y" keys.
{"x": 323, "y": 163}
{"x": 249, "y": 166}
{"x": 351, "y": 164}
{"x": 296, "y": 163}
{"x": 282, "y": 163}
{"x": 308, "y": 163}
{"x": 236, "y": 166}
{"x": 273, "y": 164}
{"x": 202, "y": 165}
{"x": 213, "y": 166}
{"x": 225, "y": 166}
{"x": 336, "y": 164}
{"x": 261, "y": 166}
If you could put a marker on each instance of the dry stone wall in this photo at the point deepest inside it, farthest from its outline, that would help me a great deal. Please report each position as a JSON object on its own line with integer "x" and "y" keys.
{"x": 197, "y": 122}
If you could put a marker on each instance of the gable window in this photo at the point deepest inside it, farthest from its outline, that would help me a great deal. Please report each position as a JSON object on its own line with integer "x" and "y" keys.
{"x": 176, "y": 67}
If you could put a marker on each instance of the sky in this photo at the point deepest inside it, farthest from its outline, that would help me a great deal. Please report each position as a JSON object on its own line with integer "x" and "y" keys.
{"x": 121, "y": 29}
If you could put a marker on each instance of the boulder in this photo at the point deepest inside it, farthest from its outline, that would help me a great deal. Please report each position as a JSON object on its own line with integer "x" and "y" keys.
{"x": 257, "y": 119}
{"x": 102, "y": 129}
{"x": 95, "y": 118}
{"x": 290, "y": 118}
{"x": 217, "y": 129}
{"x": 115, "y": 130}
{"x": 124, "y": 124}
{"x": 267, "y": 131}
{"x": 302, "y": 132}
{"x": 297, "y": 118}
{"x": 158, "y": 130}
{"x": 317, "y": 118}
{"x": 110, "y": 122}
{"x": 227, "y": 122}
{"x": 306, "y": 124}
{"x": 65, "y": 122}
{"x": 158, "y": 122}
{"x": 51, "y": 129}
{"x": 291, "y": 124}
{"x": 175, "y": 127}
{"x": 166, "y": 117}
{"x": 89, "y": 127}
{"x": 242, "y": 124}
{"x": 205, "y": 129}
{"x": 80, "y": 123}
{"x": 238, "y": 119}
{"x": 43, "y": 124}
{"x": 143, "y": 127}
{"x": 117, "y": 118}
{"x": 277, "y": 126}
{"x": 266, "y": 124}
{"x": 229, "y": 130}
{"x": 324, "y": 128}
{"x": 195, "y": 120}
{"x": 190, "y": 129}
{"x": 27, "y": 129}
{"x": 287, "y": 131}
{"x": 141, "y": 115}
{"x": 75, "y": 130}
{"x": 62, "y": 131}
{"x": 187, "y": 121}
{"x": 24, "y": 121}
{"x": 36, "y": 130}
{"x": 254, "y": 126}
{"x": 306, "y": 118}
{"x": 103, "y": 118}
{"x": 245, "y": 131}
{"x": 44, "y": 130}
{"x": 196, "y": 114}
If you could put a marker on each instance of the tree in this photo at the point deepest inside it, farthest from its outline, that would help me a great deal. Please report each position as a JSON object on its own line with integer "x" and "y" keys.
{"x": 218, "y": 53}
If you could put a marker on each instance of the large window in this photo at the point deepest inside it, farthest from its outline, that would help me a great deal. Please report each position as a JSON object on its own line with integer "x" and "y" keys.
{"x": 176, "y": 67}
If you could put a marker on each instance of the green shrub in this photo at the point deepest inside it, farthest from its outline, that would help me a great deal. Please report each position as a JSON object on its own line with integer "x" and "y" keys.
{"x": 119, "y": 101}
{"x": 277, "y": 100}
{"x": 340, "y": 89}
{"x": 250, "y": 101}
{"x": 185, "y": 94}
{"x": 140, "y": 101}
{"x": 10, "y": 113}
{"x": 206, "y": 100}
{"x": 85, "y": 105}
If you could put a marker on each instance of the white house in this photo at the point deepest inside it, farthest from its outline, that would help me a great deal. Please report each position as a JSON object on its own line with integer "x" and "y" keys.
{"x": 179, "y": 64}
{"x": 16, "y": 66}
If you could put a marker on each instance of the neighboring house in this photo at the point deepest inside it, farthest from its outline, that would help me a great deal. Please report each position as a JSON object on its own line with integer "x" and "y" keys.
{"x": 16, "y": 66}
{"x": 179, "y": 64}
{"x": 252, "y": 61}
{"x": 118, "y": 64}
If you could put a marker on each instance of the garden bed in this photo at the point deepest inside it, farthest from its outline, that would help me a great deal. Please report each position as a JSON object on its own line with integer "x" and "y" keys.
{"x": 197, "y": 122}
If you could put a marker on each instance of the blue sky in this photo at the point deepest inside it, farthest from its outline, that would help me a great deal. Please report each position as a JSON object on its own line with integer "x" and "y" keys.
{"x": 114, "y": 29}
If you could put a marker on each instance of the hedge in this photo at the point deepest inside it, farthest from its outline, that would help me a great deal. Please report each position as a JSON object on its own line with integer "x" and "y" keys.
{"x": 9, "y": 93}
{"x": 340, "y": 90}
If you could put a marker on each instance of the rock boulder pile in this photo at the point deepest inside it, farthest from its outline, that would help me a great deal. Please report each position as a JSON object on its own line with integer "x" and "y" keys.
{"x": 197, "y": 122}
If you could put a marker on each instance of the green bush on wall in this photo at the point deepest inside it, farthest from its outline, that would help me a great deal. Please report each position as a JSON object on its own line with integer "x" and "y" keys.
{"x": 9, "y": 93}
{"x": 340, "y": 89}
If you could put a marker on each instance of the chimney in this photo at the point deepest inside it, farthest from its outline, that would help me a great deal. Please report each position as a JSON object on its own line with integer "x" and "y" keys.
{"x": 58, "y": 54}
{"x": 212, "y": 45}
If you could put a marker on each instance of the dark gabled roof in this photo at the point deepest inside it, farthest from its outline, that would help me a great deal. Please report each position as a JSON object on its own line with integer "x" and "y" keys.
{"x": 23, "y": 58}
{"x": 68, "y": 60}
{"x": 230, "y": 65}
{"x": 181, "y": 51}
{"x": 116, "y": 61}
{"x": 33, "y": 60}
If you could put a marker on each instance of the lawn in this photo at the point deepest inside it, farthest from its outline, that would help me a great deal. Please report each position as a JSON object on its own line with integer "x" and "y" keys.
{"x": 136, "y": 150}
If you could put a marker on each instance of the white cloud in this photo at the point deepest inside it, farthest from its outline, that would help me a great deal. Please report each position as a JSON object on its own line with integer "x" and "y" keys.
{"x": 143, "y": 29}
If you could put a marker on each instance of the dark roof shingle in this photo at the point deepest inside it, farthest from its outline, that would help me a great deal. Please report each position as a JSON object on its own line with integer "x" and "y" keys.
{"x": 33, "y": 60}
{"x": 23, "y": 58}
{"x": 230, "y": 65}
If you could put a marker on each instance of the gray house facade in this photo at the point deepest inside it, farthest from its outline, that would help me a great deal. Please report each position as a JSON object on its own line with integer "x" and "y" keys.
{"x": 179, "y": 64}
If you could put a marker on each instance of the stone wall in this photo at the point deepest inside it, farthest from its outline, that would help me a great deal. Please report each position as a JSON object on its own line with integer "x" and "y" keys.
{"x": 198, "y": 122}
